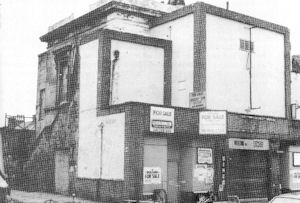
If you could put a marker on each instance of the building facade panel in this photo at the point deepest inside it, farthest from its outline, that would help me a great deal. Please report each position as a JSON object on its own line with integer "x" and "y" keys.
{"x": 182, "y": 60}
{"x": 228, "y": 68}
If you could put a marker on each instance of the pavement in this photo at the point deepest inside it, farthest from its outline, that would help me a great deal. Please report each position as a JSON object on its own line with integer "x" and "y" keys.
{"x": 39, "y": 197}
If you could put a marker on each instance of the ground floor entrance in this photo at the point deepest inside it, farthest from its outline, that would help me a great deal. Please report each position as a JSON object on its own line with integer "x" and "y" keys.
{"x": 248, "y": 173}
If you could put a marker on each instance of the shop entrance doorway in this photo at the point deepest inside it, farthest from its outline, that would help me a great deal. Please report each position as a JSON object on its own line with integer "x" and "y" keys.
{"x": 248, "y": 173}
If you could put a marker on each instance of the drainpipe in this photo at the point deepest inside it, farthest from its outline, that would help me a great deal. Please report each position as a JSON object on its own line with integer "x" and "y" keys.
{"x": 101, "y": 126}
{"x": 250, "y": 68}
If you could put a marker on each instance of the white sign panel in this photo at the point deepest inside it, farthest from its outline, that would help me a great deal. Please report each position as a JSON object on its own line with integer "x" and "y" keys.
{"x": 152, "y": 175}
{"x": 212, "y": 122}
{"x": 295, "y": 175}
{"x": 161, "y": 119}
{"x": 204, "y": 155}
{"x": 296, "y": 158}
{"x": 197, "y": 100}
{"x": 247, "y": 144}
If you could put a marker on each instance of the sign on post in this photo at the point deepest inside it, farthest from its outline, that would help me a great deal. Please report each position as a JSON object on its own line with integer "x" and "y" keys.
{"x": 161, "y": 119}
{"x": 212, "y": 122}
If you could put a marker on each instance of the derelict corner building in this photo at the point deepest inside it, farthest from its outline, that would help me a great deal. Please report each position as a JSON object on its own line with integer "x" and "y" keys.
{"x": 138, "y": 95}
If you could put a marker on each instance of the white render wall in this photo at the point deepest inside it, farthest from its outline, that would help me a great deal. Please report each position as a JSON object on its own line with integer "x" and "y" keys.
{"x": 181, "y": 32}
{"x": 89, "y": 138}
{"x": 91, "y": 158}
{"x": 227, "y": 73}
{"x": 140, "y": 71}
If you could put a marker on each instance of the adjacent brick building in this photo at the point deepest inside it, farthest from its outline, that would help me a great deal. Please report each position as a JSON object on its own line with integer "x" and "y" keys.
{"x": 16, "y": 138}
{"x": 138, "y": 95}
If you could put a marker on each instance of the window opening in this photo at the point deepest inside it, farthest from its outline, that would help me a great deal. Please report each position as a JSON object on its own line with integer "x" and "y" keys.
{"x": 245, "y": 45}
{"x": 42, "y": 104}
{"x": 62, "y": 60}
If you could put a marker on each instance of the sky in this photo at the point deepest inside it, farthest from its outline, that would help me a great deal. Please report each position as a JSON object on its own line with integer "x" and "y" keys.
{"x": 22, "y": 22}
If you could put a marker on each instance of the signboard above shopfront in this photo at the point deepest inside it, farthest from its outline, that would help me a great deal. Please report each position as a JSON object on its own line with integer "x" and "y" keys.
{"x": 161, "y": 119}
{"x": 212, "y": 122}
{"x": 248, "y": 144}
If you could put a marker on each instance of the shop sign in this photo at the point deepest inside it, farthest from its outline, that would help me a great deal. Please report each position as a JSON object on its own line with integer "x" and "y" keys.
{"x": 197, "y": 100}
{"x": 161, "y": 119}
{"x": 247, "y": 144}
{"x": 212, "y": 122}
{"x": 296, "y": 158}
{"x": 204, "y": 155}
{"x": 152, "y": 175}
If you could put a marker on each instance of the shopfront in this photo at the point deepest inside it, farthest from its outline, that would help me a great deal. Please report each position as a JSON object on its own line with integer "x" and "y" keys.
{"x": 184, "y": 152}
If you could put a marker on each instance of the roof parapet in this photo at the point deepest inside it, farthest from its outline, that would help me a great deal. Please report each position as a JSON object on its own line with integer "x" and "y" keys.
{"x": 149, "y": 4}
{"x": 61, "y": 22}
{"x": 102, "y": 8}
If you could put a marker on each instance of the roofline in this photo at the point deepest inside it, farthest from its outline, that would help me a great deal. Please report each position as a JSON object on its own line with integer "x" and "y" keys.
{"x": 221, "y": 12}
{"x": 99, "y": 12}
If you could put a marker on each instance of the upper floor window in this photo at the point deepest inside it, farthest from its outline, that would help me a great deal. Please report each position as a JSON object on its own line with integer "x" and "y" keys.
{"x": 245, "y": 45}
{"x": 62, "y": 58}
{"x": 62, "y": 80}
{"x": 42, "y": 104}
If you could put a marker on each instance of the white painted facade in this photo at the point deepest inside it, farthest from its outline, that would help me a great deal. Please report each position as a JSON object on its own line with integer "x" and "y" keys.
{"x": 140, "y": 71}
{"x": 94, "y": 161}
{"x": 89, "y": 137}
{"x": 181, "y": 33}
{"x": 227, "y": 68}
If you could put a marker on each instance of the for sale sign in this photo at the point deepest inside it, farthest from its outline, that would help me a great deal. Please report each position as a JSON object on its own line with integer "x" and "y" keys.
{"x": 161, "y": 119}
{"x": 212, "y": 122}
{"x": 152, "y": 175}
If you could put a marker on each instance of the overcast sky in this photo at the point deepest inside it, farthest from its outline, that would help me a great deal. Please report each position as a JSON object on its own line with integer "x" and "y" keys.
{"x": 22, "y": 22}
